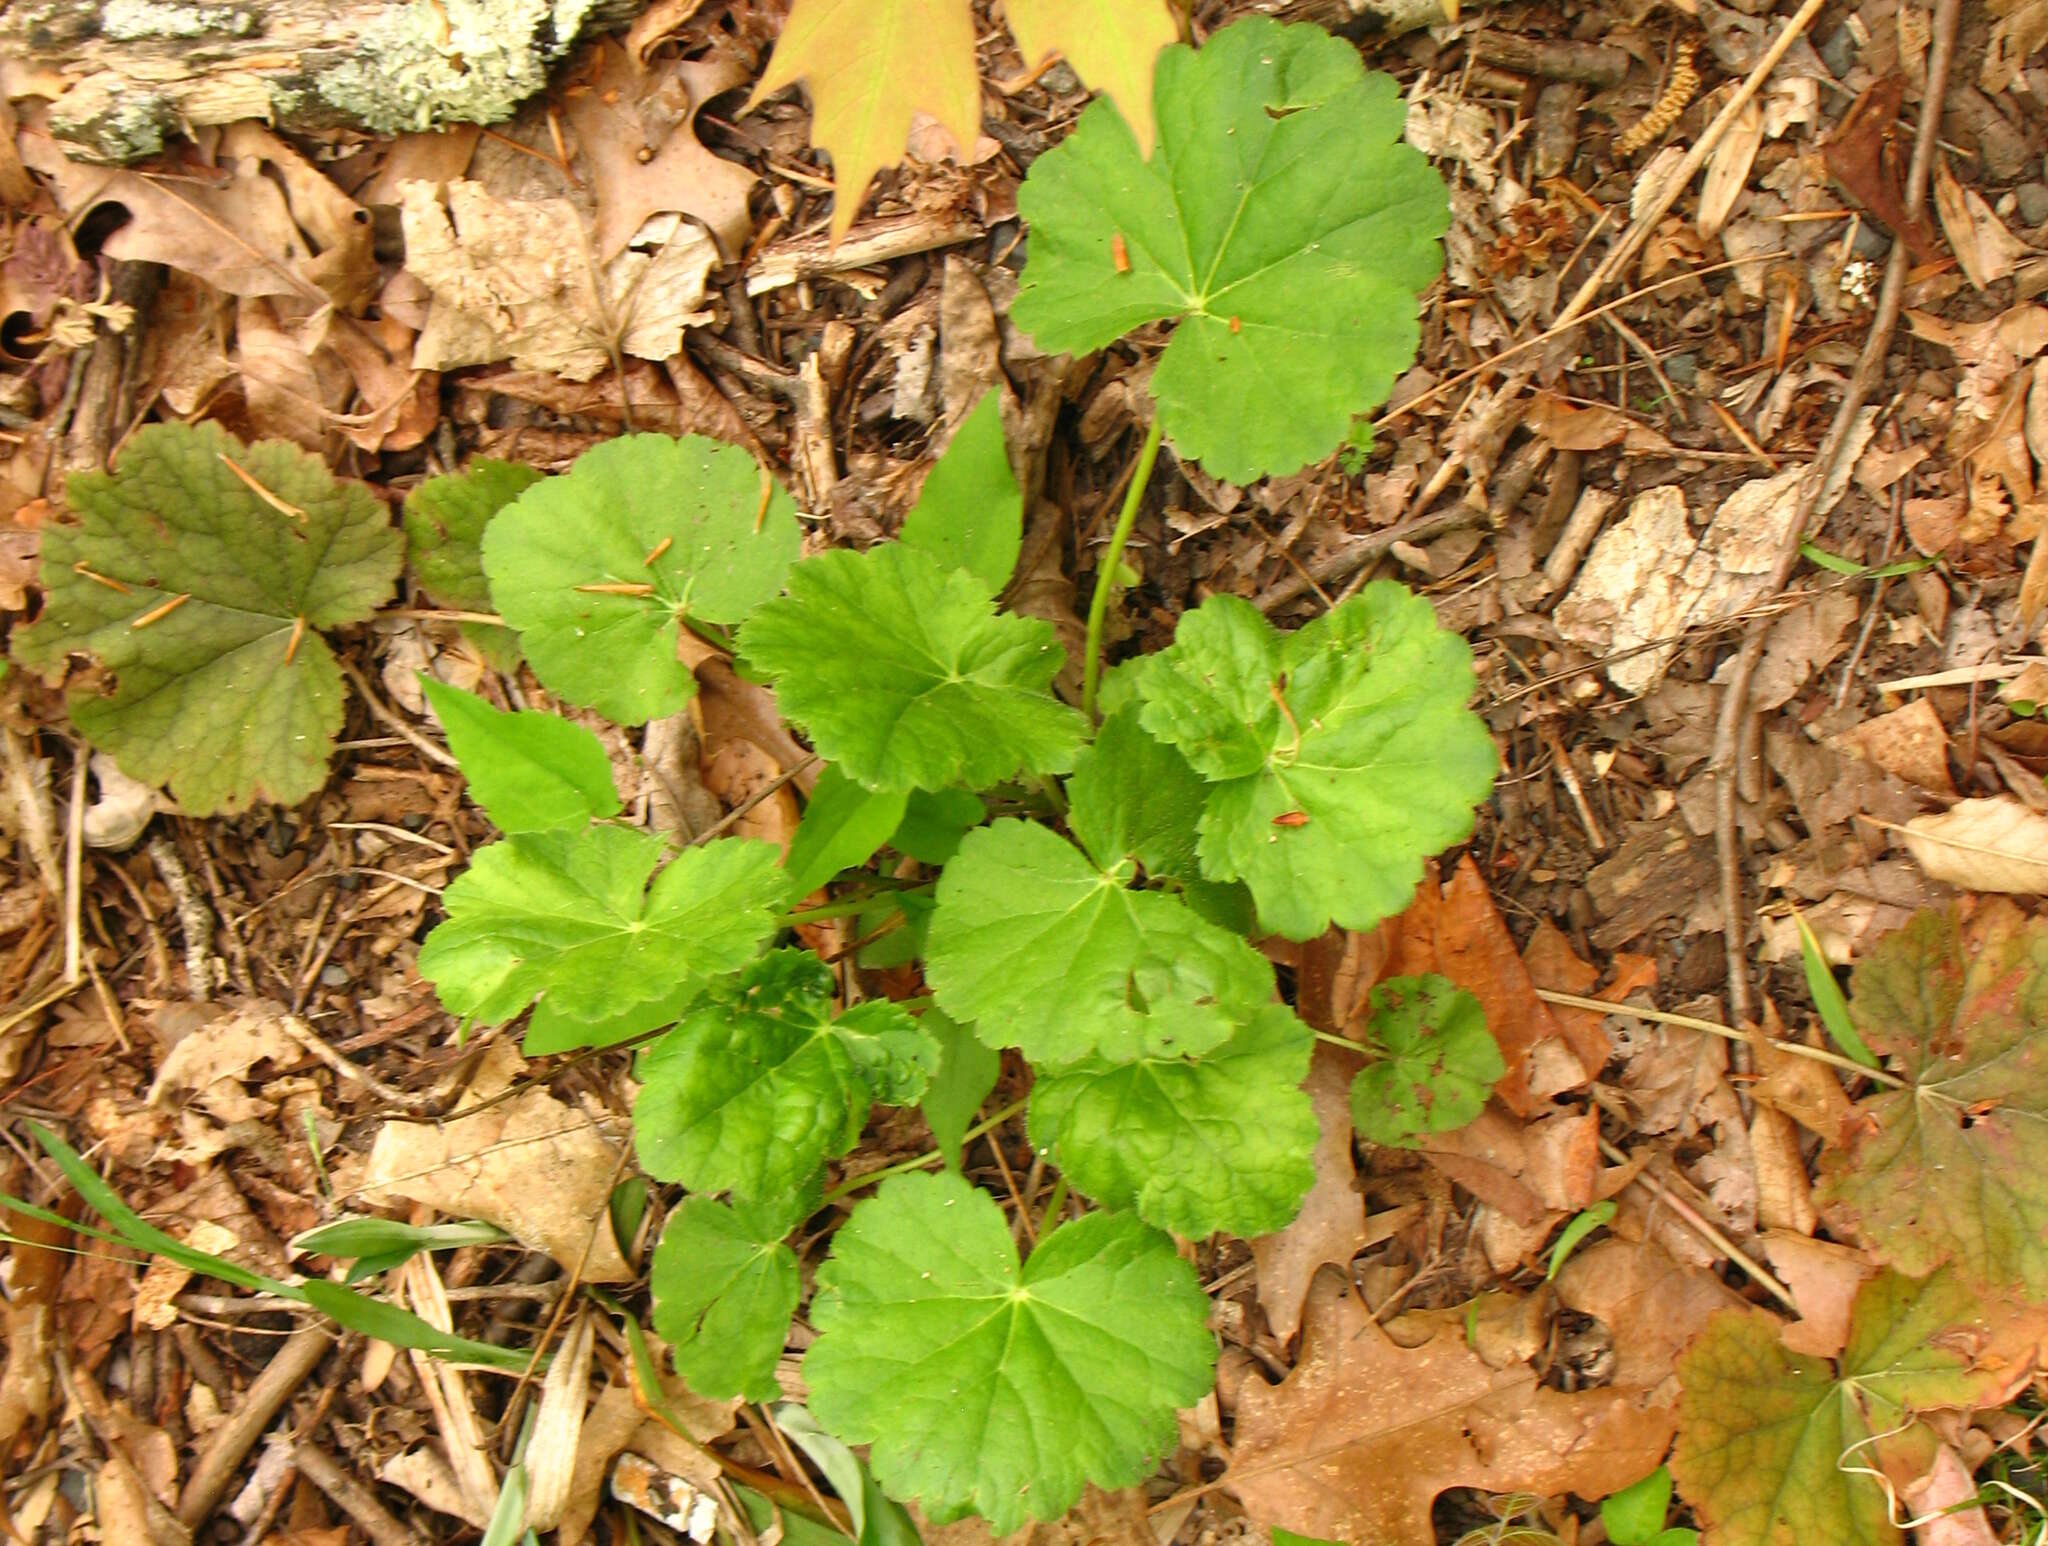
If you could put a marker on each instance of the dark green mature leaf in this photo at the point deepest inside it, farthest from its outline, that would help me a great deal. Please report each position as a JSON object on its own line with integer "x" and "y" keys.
{"x": 970, "y": 514}
{"x": 571, "y": 914}
{"x": 985, "y": 1387}
{"x": 206, "y": 602}
{"x": 1955, "y": 1166}
{"x": 753, "y": 1094}
{"x": 968, "y": 1070}
{"x": 1764, "y": 1435}
{"x": 528, "y": 771}
{"x": 725, "y": 1287}
{"x": 1439, "y": 1062}
{"x": 843, "y": 825}
{"x": 1281, "y": 221}
{"x": 1338, "y": 758}
{"x": 934, "y": 822}
{"x": 1195, "y": 1145}
{"x": 1047, "y": 952}
{"x": 445, "y": 519}
{"x": 597, "y": 568}
{"x": 904, "y": 674}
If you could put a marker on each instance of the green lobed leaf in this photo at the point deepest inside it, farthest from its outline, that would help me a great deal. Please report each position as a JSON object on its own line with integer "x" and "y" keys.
{"x": 1955, "y": 1166}
{"x": 752, "y": 1094}
{"x": 1194, "y": 1145}
{"x": 1438, "y": 1066}
{"x": 1133, "y": 797}
{"x": 571, "y": 914}
{"x": 1047, "y": 952}
{"x": 1763, "y": 1432}
{"x": 1338, "y": 758}
{"x": 934, "y": 822}
{"x": 904, "y": 674}
{"x": 985, "y": 1387}
{"x": 725, "y": 1287}
{"x": 1280, "y": 221}
{"x": 968, "y": 1070}
{"x": 530, "y": 772}
{"x": 843, "y": 825}
{"x": 445, "y": 519}
{"x": 970, "y": 514}
{"x": 699, "y": 522}
{"x": 206, "y": 603}
{"x": 555, "y": 1027}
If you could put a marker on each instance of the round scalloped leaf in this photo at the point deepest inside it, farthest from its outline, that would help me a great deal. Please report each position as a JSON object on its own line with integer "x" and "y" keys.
{"x": 1225, "y": 1141}
{"x": 1132, "y": 797}
{"x": 991, "y": 1389}
{"x": 1439, "y": 1065}
{"x": 725, "y": 1287}
{"x": 1763, "y": 1433}
{"x": 753, "y": 1093}
{"x": 1955, "y": 1166}
{"x": 597, "y": 568}
{"x": 205, "y": 600}
{"x": 570, "y": 914}
{"x": 1338, "y": 757}
{"x": 1280, "y": 221}
{"x": 905, "y": 675}
{"x": 445, "y": 519}
{"x": 1046, "y": 952}
{"x": 528, "y": 771}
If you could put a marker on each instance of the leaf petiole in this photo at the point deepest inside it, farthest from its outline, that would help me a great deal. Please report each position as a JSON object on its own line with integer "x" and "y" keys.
{"x": 846, "y": 1189}
{"x": 1112, "y": 559}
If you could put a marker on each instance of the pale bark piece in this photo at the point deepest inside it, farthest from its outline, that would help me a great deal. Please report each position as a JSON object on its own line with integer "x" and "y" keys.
{"x": 1648, "y": 579}
{"x": 1651, "y": 1305}
{"x": 520, "y": 281}
{"x": 1330, "y": 1229}
{"x": 1360, "y": 1438}
{"x": 124, "y": 79}
{"x": 533, "y": 1166}
{"x": 1994, "y": 844}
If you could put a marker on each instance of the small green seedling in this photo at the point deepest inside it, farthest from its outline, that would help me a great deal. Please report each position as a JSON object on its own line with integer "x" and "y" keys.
{"x": 1635, "y": 1515}
{"x": 1582, "y": 1224}
{"x": 1438, "y": 1062}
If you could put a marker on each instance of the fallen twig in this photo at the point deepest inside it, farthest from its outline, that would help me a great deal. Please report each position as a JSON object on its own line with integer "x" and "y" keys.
{"x": 1726, "y": 763}
{"x": 232, "y": 1440}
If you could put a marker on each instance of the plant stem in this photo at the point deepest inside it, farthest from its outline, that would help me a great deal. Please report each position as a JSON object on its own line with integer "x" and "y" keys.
{"x": 847, "y": 1188}
{"x": 1055, "y": 1201}
{"x": 1111, "y": 561}
{"x": 1340, "y": 1041}
{"x": 847, "y": 907}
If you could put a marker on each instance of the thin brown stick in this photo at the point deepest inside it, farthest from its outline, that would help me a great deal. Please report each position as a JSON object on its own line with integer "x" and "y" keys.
{"x": 352, "y": 1497}
{"x": 1718, "y": 1239}
{"x": 230, "y": 1444}
{"x": 1725, "y": 764}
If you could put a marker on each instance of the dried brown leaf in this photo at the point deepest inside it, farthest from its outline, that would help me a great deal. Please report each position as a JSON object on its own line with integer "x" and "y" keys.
{"x": 1330, "y": 1229}
{"x": 1651, "y": 1305}
{"x": 1994, "y": 844}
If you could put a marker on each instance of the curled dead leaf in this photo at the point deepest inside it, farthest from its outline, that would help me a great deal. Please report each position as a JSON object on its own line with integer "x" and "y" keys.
{"x": 1994, "y": 844}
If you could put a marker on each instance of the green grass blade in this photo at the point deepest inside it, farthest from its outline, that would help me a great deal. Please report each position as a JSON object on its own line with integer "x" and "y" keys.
{"x": 401, "y": 1328}
{"x": 1827, "y": 996}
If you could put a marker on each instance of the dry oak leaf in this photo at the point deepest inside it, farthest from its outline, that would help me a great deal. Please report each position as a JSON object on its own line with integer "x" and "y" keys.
{"x": 873, "y": 65}
{"x": 1360, "y": 1438}
{"x": 1330, "y": 1228}
{"x": 1993, "y": 844}
{"x": 1953, "y": 1167}
{"x": 536, "y": 1168}
{"x": 1651, "y": 1305}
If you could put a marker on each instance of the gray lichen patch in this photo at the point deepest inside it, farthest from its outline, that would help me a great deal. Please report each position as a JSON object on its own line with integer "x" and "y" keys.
{"x": 133, "y": 21}
{"x": 435, "y": 62}
{"x": 107, "y": 119}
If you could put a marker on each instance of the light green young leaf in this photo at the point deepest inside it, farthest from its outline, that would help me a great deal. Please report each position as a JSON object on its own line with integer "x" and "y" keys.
{"x": 1828, "y": 1000}
{"x": 1765, "y": 1435}
{"x": 554, "y": 1025}
{"x": 1634, "y": 1516}
{"x": 1281, "y": 221}
{"x": 971, "y": 513}
{"x": 904, "y": 675}
{"x": 968, "y": 1070}
{"x": 1195, "y": 1145}
{"x": 725, "y": 1287}
{"x": 1046, "y": 952}
{"x": 206, "y": 603}
{"x": 347, "y": 1239}
{"x": 571, "y": 914}
{"x": 1132, "y": 797}
{"x": 530, "y": 772}
{"x": 843, "y": 826}
{"x": 1338, "y": 757}
{"x": 877, "y": 1520}
{"x": 754, "y": 1094}
{"x": 444, "y": 532}
{"x": 1075, "y": 1364}
{"x": 1439, "y": 1065}
{"x": 597, "y": 568}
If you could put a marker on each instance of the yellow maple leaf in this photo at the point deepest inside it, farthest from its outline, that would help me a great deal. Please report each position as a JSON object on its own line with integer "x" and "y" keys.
{"x": 1111, "y": 46}
{"x": 873, "y": 64}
